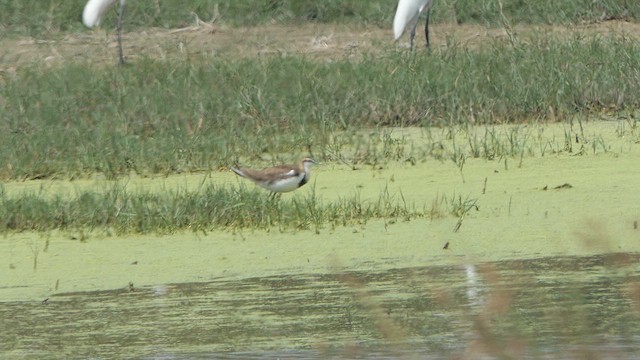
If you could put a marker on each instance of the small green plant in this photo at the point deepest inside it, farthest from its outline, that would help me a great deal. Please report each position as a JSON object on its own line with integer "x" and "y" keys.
{"x": 460, "y": 208}
{"x": 437, "y": 211}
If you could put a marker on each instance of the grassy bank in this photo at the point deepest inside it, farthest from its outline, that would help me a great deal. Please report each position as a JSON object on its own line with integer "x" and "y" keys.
{"x": 46, "y": 18}
{"x": 162, "y": 116}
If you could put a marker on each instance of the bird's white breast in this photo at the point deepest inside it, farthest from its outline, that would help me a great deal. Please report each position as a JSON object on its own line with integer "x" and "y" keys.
{"x": 284, "y": 185}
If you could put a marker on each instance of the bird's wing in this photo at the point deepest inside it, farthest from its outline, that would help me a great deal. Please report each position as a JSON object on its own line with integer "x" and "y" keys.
{"x": 281, "y": 172}
{"x": 290, "y": 173}
{"x": 269, "y": 174}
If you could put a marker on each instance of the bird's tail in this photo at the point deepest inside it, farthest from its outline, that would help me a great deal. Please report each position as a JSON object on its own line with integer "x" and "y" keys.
{"x": 238, "y": 171}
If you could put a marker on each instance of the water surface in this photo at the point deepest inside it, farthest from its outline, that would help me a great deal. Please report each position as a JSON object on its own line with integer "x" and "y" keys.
{"x": 554, "y": 307}
{"x": 544, "y": 267}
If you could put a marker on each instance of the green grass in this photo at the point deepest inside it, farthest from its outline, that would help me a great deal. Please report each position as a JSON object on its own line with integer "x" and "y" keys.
{"x": 118, "y": 211}
{"x": 163, "y": 117}
{"x": 44, "y": 18}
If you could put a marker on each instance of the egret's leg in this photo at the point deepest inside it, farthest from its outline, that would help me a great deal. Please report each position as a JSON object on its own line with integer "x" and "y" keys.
{"x": 412, "y": 35}
{"x": 119, "y": 32}
{"x": 426, "y": 28}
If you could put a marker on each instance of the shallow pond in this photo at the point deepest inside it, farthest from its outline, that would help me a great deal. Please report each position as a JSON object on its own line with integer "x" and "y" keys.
{"x": 556, "y": 307}
{"x": 546, "y": 266}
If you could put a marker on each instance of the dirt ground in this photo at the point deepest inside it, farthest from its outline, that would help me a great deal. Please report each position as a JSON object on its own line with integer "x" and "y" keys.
{"x": 316, "y": 41}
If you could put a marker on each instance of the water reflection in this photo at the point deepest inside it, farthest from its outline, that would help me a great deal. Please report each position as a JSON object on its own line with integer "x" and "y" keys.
{"x": 543, "y": 308}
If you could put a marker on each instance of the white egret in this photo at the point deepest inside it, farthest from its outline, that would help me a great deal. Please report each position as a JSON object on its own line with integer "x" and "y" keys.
{"x": 407, "y": 14}
{"x": 93, "y": 12}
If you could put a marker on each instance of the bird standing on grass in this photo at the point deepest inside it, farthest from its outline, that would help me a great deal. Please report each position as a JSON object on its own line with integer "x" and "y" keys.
{"x": 281, "y": 178}
{"x": 93, "y": 12}
{"x": 408, "y": 14}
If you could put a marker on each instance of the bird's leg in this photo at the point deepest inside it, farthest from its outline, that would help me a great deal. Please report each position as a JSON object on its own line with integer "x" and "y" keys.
{"x": 412, "y": 36}
{"x": 426, "y": 28}
{"x": 119, "y": 32}
{"x": 274, "y": 198}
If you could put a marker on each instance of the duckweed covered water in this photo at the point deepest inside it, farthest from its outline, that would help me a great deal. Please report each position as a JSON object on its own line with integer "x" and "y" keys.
{"x": 553, "y": 307}
{"x": 543, "y": 265}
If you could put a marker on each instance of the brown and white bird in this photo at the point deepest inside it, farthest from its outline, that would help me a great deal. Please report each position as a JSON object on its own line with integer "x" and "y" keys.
{"x": 281, "y": 178}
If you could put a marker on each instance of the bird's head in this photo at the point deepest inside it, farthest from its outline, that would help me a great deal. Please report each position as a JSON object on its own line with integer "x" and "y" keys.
{"x": 306, "y": 163}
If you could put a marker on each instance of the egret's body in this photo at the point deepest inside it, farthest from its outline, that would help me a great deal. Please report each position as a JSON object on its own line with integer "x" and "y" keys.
{"x": 93, "y": 12}
{"x": 407, "y": 15}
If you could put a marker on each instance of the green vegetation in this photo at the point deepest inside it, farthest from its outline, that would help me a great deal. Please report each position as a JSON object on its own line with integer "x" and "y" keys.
{"x": 42, "y": 18}
{"x": 169, "y": 116}
{"x": 202, "y": 113}
{"x": 120, "y": 211}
